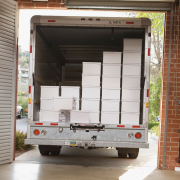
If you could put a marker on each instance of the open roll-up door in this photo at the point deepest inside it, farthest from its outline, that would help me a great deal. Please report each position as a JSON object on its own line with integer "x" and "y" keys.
{"x": 142, "y": 5}
{"x": 8, "y": 16}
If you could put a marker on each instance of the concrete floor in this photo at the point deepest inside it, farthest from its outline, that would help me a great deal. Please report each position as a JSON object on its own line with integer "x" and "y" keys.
{"x": 74, "y": 163}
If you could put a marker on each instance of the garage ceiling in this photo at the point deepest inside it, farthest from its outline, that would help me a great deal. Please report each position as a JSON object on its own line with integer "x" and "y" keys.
{"x": 153, "y": 5}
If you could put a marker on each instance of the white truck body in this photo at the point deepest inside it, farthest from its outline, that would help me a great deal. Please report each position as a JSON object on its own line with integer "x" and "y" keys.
{"x": 51, "y": 65}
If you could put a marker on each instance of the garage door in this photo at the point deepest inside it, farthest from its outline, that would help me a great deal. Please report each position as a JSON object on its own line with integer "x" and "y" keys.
{"x": 8, "y": 10}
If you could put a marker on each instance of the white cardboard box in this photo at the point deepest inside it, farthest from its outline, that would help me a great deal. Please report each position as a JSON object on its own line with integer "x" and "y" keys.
{"x": 90, "y": 104}
{"x": 110, "y": 82}
{"x": 130, "y": 82}
{"x": 70, "y": 91}
{"x": 65, "y": 103}
{"x": 110, "y": 117}
{"x": 49, "y": 91}
{"x": 132, "y": 44}
{"x": 47, "y": 103}
{"x": 131, "y": 70}
{"x": 132, "y": 57}
{"x": 112, "y": 57}
{"x": 94, "y": 117}
{"x": 130, "y": 118}
{"x": 49, "y": 115}
{"x": 130, "y": 106}
{"x": 80, "y": 117}
{"x": 90, "y": 80}
{"x": 130, "y": 94}
{"x": 111, "y": 93}
{"x": 93, "y": 68}
{"x": 112, "y": 70}
{"x": 91, "y": 92}
{"x": 110, "y": 105}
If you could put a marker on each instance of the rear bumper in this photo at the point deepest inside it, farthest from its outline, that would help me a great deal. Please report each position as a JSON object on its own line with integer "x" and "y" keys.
{"x": 93, "y": 144}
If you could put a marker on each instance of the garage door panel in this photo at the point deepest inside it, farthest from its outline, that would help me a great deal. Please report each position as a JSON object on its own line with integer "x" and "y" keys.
{"x": 8, "y": 16}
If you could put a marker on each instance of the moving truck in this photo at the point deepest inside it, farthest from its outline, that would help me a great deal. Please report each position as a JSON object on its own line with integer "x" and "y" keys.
{"x": 107, "y": 61}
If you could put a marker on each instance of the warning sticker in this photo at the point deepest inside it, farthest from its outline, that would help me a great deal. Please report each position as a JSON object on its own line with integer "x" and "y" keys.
{"x": 29, "y": 100}
{"x": 147, "y": 104}
{"x": 73, "y": 143}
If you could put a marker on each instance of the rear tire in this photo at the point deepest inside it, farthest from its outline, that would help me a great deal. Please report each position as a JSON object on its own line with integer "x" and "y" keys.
{"x": 122, "y": 155}
{"x": 44, "y": 153}
{"x": 133, "y": 155}
{"x": 21, "y": 113}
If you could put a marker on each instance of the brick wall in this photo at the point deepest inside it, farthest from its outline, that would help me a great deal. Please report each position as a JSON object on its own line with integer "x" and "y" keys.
{"x": 51, "y": 4}
{"x": 173, "y": 124}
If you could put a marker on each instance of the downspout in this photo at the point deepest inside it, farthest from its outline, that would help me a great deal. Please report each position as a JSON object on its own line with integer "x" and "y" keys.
{"x": 167, "y": 92}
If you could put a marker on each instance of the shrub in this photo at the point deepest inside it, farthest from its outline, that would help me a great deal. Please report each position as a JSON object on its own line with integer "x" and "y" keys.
{"x": 155, "y": 130}
{"x": 152, "y": 124}
{"x": 23, "y": 101}
{"x": 20, "y": 137}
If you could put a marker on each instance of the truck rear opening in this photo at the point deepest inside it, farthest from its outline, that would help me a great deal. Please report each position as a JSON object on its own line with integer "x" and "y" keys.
{"x": 58, "y": 48}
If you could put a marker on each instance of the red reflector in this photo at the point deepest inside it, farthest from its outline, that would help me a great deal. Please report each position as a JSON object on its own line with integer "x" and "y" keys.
{"x": 97, "y": 19}
{"x": 135, "y": 126}
{"x": 54, "y": 124}
{"x": 38, "y": 123}
{"x": 149, "y": 34}
{"x": 149, "y": 51}
{"x": 31, "y": 49}
{"x": 83, "y": 125}
{"x": 82, "y": 19}
{"x": 90, "y": 19}
{"x": 138, "y": 135}
{"x": 29, "y": 89}
{"x": 120, "y": 125}
{"x": 36, "y": 132}
{"x": 51, "y": 20}
{"x": 129, "y": 22}
{"x": 147, "y": 92}
{"x": 31, "y": 31}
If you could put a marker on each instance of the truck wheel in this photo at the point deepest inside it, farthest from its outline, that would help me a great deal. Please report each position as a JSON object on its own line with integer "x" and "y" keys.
{"x": 122, "y": 155}
{"x": 56, "y": 152}
{"x": 133, "y": 155}
{"x": 44, "y": 153}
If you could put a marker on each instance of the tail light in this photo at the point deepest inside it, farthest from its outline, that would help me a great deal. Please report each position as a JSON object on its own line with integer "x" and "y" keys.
{"x": 138, "y": 135}
{"x": 36, "y": 132}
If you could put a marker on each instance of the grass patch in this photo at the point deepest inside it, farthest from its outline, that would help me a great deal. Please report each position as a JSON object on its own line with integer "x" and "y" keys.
{"x": 152, "y": 124}
{"x": 20, "y": 137}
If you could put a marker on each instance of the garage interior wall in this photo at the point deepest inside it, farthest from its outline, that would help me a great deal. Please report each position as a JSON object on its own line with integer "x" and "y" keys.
{"x": 172, "y": 148}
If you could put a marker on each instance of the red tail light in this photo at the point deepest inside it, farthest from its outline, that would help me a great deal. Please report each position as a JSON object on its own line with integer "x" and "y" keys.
{"x": 138, "y": 135}
{"x": 36, "y": 132}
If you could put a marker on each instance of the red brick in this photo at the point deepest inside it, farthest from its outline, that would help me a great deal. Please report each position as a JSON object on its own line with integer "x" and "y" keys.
{"x": 172, "y": 134}
{"x": 172, "y": 153}
{"x": 54, "y": 5}
{"x": 175, "y": 139}
{"x": 26, "y": 5}
{"x": 174, "y": 148}
{"x": 41, "y": 5}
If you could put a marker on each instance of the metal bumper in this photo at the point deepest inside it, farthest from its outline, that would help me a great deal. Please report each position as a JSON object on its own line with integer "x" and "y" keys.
{"x": 92, "y": 144}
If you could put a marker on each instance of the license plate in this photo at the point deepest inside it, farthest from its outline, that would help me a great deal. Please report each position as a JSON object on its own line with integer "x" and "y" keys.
{"x": 73, "y": 143}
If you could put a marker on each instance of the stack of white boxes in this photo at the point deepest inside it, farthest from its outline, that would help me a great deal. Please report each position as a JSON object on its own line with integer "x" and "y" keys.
{"x": 51, "y": 104}
{"x": 111, "y": 80}
{"x": 70, "y": 91}
{"x": 131, "y": 78}
{"x": 91, "y": 90}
